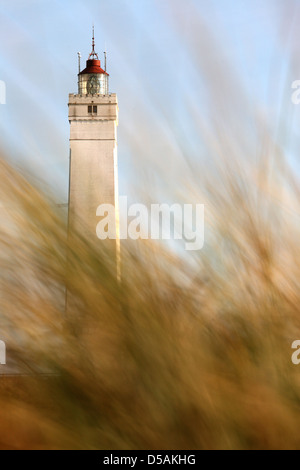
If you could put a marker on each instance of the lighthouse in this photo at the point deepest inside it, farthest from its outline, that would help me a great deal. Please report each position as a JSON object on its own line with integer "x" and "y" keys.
{"x": 93, "y": 169}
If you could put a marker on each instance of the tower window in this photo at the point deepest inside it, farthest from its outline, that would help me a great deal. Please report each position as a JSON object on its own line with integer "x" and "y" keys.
{"x": 92, "y": 109}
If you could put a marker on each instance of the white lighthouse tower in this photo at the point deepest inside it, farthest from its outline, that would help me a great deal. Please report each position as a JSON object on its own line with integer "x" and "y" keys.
{"x": 93, "y": 117}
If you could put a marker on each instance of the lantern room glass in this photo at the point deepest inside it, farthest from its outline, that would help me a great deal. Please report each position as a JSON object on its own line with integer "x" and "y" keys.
{"x": 102, "y": 80}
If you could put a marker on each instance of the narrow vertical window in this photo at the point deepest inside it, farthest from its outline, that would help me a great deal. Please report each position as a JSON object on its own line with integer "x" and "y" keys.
{"x": 90, "y": 109}
{"x": 94, "y": 109}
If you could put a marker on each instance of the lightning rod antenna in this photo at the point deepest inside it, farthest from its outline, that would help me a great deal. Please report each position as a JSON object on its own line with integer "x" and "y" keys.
{"x": 79, "y": 57}
{"x": 93, "y": 54}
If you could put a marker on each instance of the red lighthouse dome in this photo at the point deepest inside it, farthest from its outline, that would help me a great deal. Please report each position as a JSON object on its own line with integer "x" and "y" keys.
{"x": 93, "y": 66}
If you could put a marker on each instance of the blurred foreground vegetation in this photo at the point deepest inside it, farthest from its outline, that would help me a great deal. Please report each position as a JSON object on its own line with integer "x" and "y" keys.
{"x": 181, "y": 354}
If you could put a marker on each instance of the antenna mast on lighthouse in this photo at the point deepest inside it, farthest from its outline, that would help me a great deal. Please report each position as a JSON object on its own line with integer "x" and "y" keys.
{"x": 105, "y": 59}
{"x": 79, "y": 57}
{"x": 93, "y": 54}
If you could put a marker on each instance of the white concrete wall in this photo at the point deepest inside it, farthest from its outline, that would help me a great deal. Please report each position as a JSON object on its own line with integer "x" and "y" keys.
{"x": 93, "y": 145}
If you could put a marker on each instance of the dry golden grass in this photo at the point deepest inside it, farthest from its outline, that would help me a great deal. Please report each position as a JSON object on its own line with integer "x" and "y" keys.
{"x": 180, "y": 354}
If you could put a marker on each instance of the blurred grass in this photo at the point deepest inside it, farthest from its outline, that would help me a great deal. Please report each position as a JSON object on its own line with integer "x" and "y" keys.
{"x": 176, "y": 356}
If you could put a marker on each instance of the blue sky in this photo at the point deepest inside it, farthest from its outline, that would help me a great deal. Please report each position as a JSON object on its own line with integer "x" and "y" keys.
{"x": 160, "y": 55}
